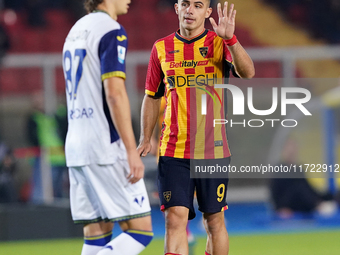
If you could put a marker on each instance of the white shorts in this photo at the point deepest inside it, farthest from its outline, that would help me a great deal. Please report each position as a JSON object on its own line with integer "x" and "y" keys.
{"x": 102, "y": 192}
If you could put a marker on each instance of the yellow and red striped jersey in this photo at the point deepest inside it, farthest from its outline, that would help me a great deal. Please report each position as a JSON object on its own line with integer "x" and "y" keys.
{"x": 183, "y": 70}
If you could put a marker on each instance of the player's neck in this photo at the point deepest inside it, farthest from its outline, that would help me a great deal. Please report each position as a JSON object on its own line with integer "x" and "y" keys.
{"x": 108, "y": 8}
{"x": 191, "y": 33}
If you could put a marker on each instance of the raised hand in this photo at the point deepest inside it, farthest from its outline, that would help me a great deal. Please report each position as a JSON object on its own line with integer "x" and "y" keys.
{"x": 226, "y": 21}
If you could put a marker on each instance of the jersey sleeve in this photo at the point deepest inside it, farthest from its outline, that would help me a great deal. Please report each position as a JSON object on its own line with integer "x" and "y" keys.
{"x": 154, "y": 85}
{"x": 112, "y": 53}
{"x": 229, "y": 59}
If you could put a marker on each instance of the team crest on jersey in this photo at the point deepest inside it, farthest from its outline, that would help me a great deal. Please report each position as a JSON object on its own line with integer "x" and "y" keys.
{"x": 204, "y": 51}
{"x": 167, "y": 195}
{"x": 121, "y": 54}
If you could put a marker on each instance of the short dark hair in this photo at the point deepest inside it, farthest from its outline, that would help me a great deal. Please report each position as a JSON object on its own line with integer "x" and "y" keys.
{"x": 91, "y": 5}
{"x": 209, "y": 2}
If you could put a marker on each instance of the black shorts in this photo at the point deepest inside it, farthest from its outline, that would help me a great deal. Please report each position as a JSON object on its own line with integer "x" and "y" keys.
{"x": 176, "y": 188}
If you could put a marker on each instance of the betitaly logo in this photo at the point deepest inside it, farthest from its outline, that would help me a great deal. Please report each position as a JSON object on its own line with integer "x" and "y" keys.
{"x": 188, "y": 63}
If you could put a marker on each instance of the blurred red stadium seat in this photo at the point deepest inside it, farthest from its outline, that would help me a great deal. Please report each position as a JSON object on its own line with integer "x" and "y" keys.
{"x": 145, "y": 23}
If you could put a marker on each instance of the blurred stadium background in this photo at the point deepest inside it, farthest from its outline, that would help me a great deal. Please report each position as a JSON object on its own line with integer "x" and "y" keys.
{"x": 292, "y": 43}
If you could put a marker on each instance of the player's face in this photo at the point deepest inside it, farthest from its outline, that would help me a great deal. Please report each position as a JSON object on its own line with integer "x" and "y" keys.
{"x": 122, "y": 6}
{"x": 192, "y": 13}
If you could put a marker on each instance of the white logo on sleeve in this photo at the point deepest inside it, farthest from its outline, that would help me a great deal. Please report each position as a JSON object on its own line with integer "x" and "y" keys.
{"x": 121, "y": 54}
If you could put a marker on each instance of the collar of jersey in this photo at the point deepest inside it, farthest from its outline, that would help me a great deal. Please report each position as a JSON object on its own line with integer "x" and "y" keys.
{"x": 100, "y": 11}
{"x": 194, "y": 39}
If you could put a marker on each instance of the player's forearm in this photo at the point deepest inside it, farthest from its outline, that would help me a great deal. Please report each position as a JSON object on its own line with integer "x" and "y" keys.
{"x": 244, "y": 66}
{"x": 119, "y": 107}
{"x": 150, "y": 112}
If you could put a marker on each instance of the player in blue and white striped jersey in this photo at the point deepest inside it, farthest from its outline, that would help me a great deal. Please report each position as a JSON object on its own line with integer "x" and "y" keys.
{"x": 104, "y": 166}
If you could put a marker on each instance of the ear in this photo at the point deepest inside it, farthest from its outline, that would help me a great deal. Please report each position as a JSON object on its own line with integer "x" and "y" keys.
{"x": 208, "y": 13}
{"x": 176, "y": 8}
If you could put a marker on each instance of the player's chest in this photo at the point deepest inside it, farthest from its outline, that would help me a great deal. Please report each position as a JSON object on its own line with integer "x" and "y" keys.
{"x": 191, "y": 59}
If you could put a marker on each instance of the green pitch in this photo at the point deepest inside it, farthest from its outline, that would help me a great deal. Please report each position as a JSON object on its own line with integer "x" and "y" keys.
{"x": 323, "y": 242}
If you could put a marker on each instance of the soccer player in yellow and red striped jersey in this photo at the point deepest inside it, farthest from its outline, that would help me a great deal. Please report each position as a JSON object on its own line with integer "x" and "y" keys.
{"x": 183, "y": 68}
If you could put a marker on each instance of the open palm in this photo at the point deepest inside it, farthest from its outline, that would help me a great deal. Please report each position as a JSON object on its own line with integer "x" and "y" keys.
{"x": 226, "y": 21}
